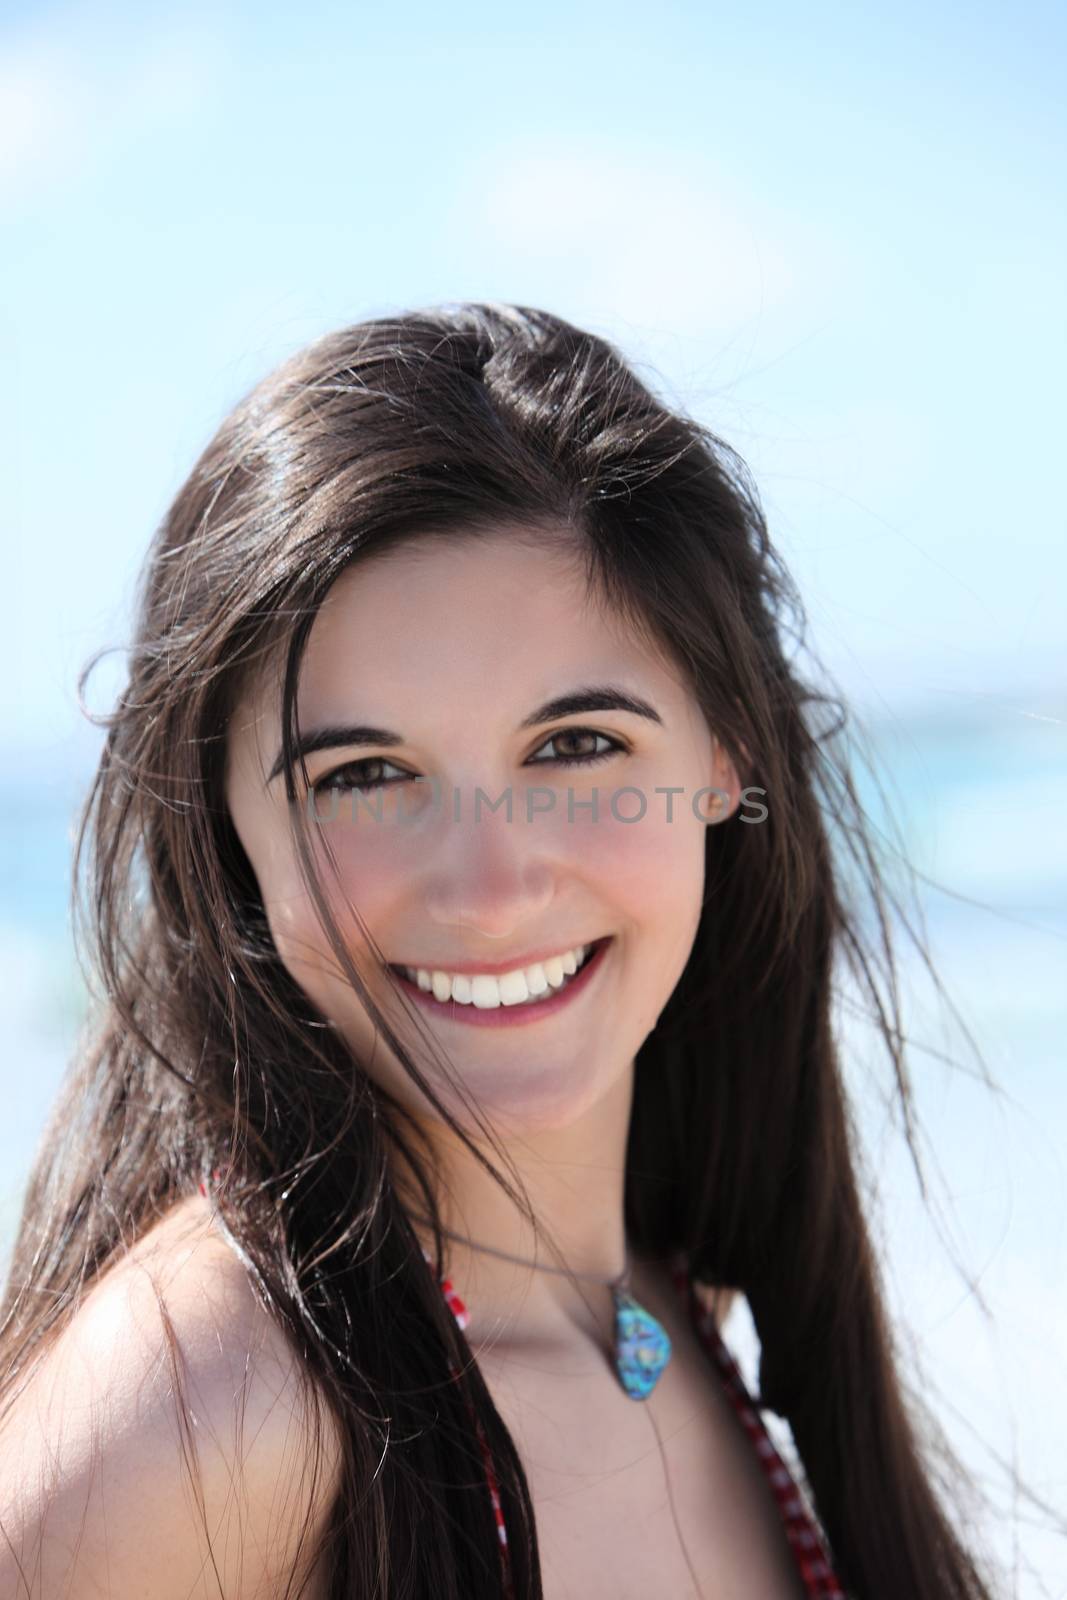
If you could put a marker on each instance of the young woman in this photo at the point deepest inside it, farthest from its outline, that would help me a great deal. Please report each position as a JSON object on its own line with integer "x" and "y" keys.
{"x": 465, "y": 802}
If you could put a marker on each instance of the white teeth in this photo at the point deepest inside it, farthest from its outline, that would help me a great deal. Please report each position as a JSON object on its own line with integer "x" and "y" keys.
{"x": 510, "y": 989}
{"x": 440, "y": 982}
{"x": 554, "y": 971}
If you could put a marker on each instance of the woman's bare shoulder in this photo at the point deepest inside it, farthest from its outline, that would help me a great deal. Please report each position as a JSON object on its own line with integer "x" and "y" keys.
{"x": 186, "y": 1261}
{"x": 108, "y": 1483}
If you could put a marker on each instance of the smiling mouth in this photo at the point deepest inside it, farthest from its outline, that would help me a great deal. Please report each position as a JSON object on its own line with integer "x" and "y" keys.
{"x": 496, "y": 1005}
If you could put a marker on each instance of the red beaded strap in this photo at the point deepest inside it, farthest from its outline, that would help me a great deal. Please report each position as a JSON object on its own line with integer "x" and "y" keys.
{"x": 459, "y": 1311}
{"x": 805, "y": 1537}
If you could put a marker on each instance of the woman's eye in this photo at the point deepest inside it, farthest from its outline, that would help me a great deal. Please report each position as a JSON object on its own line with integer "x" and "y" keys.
{"x": 581, "y": 759}
{"x": 354, "y": 774}
{"x": 342, "y": 777}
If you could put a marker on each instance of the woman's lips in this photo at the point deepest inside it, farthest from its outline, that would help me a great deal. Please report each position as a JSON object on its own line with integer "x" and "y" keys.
{"x": 511, "y": 1016}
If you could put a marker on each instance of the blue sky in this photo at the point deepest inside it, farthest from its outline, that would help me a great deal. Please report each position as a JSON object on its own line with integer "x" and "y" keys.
{"x": 837, "y": 234}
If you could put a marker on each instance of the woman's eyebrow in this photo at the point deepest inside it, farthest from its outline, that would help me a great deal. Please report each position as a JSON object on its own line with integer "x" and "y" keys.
{"x": 595, "y": 697}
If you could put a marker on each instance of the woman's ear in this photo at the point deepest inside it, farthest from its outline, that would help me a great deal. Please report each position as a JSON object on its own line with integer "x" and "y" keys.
{"x": 723, "y": 794}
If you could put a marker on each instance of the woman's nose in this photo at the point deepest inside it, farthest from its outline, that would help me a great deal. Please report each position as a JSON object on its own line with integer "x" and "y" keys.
{"x": 491, "y": 876}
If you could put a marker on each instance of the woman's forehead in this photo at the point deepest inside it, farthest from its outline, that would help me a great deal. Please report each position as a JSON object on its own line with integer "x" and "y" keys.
{"x": 487, "y": 622}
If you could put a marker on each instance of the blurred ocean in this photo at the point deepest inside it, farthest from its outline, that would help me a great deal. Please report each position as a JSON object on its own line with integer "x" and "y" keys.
{"x": 980, "y": 797}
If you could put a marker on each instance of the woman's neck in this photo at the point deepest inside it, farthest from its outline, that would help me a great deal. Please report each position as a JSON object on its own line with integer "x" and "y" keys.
{"x": 575, "y": 1179}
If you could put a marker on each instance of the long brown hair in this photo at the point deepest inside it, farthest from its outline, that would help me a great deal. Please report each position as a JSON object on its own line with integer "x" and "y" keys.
{"x": 204, "y": 1056}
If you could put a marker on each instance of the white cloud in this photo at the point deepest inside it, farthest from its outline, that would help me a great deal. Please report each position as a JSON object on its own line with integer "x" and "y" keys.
{"x": 41, "y": 104}
{"x": 67, "y": 101}
{"x": 641, "y": 238}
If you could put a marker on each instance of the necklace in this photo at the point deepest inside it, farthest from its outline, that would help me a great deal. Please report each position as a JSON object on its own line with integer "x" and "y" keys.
{"x": 642, "y": 1346}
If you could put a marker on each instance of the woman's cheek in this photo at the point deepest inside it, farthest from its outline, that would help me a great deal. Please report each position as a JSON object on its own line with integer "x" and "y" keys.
{"x": 298, "y": 938}
{"x": 371, "y": 861}
{"x": 635, "y": 848}
{"x": 298, "y": 935}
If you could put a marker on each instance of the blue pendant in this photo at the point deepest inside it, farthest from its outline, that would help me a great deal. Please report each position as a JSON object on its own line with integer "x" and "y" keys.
{"x": 642, "y": 1346}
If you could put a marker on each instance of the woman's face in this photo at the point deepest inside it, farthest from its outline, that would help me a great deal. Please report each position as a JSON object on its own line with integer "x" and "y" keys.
{"x": 454, "y": 647}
